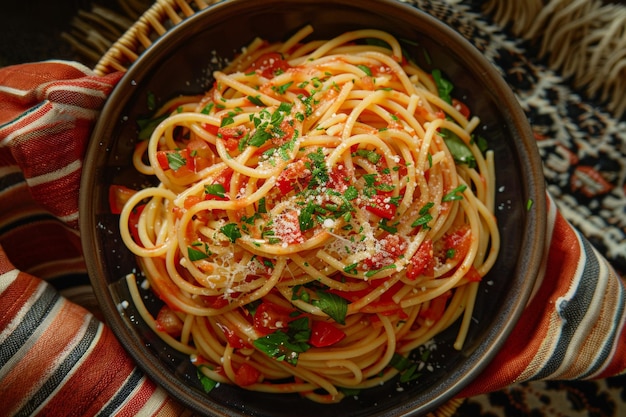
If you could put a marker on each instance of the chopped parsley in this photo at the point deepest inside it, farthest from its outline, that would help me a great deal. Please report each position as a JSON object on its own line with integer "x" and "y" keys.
{"x": 456, "y": 194}
{"x": 231, "y": 231}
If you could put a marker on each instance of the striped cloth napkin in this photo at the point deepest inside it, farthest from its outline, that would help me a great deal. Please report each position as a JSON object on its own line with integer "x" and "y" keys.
{"x": 573, "y": 328}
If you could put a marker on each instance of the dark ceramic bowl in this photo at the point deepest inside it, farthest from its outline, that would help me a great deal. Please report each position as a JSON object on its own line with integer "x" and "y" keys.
{"x": 180, "y": 62}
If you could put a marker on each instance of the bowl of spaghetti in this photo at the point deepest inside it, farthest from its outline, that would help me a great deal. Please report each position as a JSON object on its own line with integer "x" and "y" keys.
{"x": 324, "y": 206}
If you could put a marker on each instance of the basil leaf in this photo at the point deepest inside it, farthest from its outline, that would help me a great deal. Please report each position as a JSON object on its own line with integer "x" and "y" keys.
{"x": 286, "y": 346}
{"x": 196, "y": 254}
{"x": 335, "y": 306}
{"x": 461, "y": 153}
{"x": 456, "y": 194}
{"x": 215, "y": 189}
{"x": 207, "y": 383}
{"x": 444, "y": 86}
{"x": 365, "y": 69}
{"x": 231, "y": 231}
{"x": 175, "y": 160}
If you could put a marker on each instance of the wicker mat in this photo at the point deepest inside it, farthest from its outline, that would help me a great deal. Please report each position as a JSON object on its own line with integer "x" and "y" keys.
{"x": 566, "y": 62}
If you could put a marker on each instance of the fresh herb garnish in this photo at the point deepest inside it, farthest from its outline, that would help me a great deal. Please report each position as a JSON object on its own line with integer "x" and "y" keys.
{"x": 217, "y": 190}
{"x": 231, "y": 231}
{"x": 444, "y": 87}
{"x": 365, "y": 69}
{"x": 286, "y": 346}
{"x": 175, "y": 160}
{"x": 256, "y": 100}
{"x": 332, "y": 304}
{"x": 207, "y": 383}
{"x": 456, "y": 194}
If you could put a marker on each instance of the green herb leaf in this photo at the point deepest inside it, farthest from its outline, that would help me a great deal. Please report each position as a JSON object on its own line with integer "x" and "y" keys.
{"x": 350, "y": 269}
{"x": 305, "y": 218}
{"x": 375, "y": 271}
{"x": 286, "y": 346}
{"x": 175, "y": 160}
{"x": 365, "y": 69}
{"x": 256, "y": 100}
{"x": 456, "y": 194}
{"x": 335, "y": 306}
{"x": 444, "y": 86}
{"x": 371, "y": 156}
{"x": 461, "y": 153}
{"x": 215, "y": 189}
{"x": 207, "y": 383}
{"x": 231, "y": 231}
{"x": 196, "y": 254}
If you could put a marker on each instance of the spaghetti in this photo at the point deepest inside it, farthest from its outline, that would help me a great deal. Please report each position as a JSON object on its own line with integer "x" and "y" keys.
{"x": 322, "y": 211}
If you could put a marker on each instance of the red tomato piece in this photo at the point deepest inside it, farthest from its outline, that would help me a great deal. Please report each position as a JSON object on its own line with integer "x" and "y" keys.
{"x": 118, "y": 196}
{"x": 232, "y": 337}
{"x": 270, "y": 317}
{"x": 246, "y": 375}
{"x": 459, "y": 241}
{"x": 461, "y": 107}
{"x": 295, "y": 171}
{"x": 269, "y": 64}
{"x": 391, "y": 247}
{"x": 381, "y": 206}
{"x": 422, "y": 261}
{"x": 212, "y": 129}
{"x": 232, "y": 136}
{"x": 325, "y": 334}
{"x": 167, "y": 321}
{"x": 185, "y": 162}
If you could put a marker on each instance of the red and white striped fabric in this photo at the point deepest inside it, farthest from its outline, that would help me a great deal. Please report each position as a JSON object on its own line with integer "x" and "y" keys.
{"x": 573, "y": 328}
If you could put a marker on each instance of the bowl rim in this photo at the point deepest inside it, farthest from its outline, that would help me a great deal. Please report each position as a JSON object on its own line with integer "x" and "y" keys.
{"x": 530, "y": 160}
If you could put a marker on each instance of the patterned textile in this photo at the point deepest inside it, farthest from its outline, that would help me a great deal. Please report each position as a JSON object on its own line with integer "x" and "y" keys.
{"x": 573, "y": 328}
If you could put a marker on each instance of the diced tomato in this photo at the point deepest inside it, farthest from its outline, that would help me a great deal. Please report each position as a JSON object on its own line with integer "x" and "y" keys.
{"x": 436, "y": 308}
{"x": 270, "y": 317}
{"x": 118, "y": 196}
{"x": 212, "y": 129}
{"x": 295, "y": 171}
{"x": 269, "y": 64}
{"x": 325, "y": 334}
{"x": 461, "y": 107}
{"x": 472, "y": 275}
{"x": 232, "y": 136}
{"x": 246, "y": 375}
{"x": 201, "y": 152}
{"x": 182, "y": 155}
{"x": 286, "y": 126}
{"x": 232, "y": 337}
{"x": 337, "y": 179}
{"x": 391, "y": 247}
{"x": 381, "y": 206}
{"x": 167, "y": 321}
{"x": 422, "y": 261}
{"x": 459, "y": 241}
